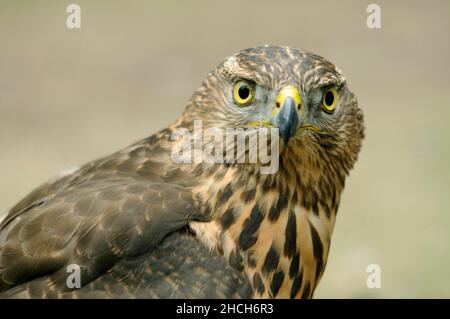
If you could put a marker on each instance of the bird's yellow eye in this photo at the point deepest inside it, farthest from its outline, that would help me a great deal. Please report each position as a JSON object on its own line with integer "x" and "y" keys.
{"x": 243, "y": 92}
{"x": 330, "y": 99}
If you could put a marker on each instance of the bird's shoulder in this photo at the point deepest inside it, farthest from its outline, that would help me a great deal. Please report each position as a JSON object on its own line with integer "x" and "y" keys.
{"x": 113, "y": 208}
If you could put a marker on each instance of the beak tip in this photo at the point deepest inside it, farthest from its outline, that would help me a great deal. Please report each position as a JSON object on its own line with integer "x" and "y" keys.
{"x": 287, "y": 119}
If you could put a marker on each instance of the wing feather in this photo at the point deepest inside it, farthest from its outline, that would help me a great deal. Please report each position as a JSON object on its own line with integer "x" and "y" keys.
{"x": 93, "y": 224}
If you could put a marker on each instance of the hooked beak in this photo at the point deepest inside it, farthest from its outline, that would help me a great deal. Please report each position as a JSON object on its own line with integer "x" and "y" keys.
{"x": 287, "y": 105}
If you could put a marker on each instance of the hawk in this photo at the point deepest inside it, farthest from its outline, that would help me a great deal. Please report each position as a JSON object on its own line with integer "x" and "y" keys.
{"x": 139, "y": 225}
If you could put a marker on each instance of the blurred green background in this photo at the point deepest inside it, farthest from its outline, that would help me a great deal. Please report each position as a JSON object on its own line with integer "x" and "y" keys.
{"x": 69, "y": 96}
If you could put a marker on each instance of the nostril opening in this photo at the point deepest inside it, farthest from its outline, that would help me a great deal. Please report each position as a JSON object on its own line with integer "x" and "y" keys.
{"x": 277, "y": 105}
{"x": 299, "y": 107}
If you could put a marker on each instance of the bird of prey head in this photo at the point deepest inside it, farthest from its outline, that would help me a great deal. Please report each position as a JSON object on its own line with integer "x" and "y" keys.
{"x": 302, "y": 94}
{"x": 139, "y": 224}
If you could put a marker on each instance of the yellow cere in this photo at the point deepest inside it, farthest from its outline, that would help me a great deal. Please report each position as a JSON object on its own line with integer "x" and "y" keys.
{"x": 287, "y": 91}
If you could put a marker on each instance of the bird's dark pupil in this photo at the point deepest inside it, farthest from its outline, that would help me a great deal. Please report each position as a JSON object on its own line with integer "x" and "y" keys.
{"x": 329, "y": 98}
{"x": 244, "y": 92}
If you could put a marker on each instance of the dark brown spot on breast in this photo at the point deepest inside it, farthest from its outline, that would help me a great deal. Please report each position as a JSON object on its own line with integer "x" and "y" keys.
{"x": 258, "y": 283}
{"x": 227, "y": 218}
{"x": 277, "y": 281}
{"x": 317, "y": 249}
{"x": 271, "y": 261}
{"x": 249, "y": 195}
{"x": 306, "y": 291}
{"x": 296, "y": 284}
{"x": 268, "y": 184}
{"x": 282, "y": 203}
{"x": 247, "y": 237}
{"x": 224, "y": 195}
{"x": 327, "y": 210}
{"x": 314, "y": 202}
{"x": 295, "y": 265}
{"x": 290, "y": 244}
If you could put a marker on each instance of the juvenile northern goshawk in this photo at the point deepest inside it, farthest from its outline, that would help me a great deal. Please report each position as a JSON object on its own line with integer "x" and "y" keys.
{"x": 138, "y": 224}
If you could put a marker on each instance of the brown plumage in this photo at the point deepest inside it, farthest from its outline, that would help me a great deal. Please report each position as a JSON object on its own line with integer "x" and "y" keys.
{"x": 140, "y": 225}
